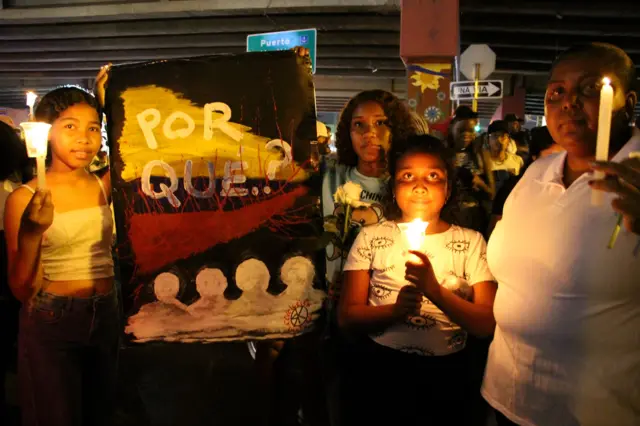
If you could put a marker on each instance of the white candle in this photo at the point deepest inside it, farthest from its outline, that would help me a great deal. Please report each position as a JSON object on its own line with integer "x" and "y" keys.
{"x": 36, "y": 137}
{"x": 604, "y": 134}
{"x": 414, "y": 233}
{"x": 31, "y": 101}
{"x": 41, "y": 172}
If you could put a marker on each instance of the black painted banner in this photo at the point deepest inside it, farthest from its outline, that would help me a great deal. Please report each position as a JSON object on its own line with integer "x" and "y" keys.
{"x": 215, "y": 199}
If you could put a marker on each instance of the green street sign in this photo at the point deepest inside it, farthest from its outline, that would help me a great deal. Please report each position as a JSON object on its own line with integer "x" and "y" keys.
{"x": 284, "y": 40}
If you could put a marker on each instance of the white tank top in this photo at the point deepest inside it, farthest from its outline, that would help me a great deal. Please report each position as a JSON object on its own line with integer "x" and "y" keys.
{"x": 77, "y": 245}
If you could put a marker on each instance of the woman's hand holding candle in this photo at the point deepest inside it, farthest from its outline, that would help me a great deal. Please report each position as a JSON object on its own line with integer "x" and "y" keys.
{"x": 624, "y": 181}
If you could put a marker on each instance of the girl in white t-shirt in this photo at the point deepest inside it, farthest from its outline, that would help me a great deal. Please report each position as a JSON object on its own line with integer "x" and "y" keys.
{"x": 415, "y": 307}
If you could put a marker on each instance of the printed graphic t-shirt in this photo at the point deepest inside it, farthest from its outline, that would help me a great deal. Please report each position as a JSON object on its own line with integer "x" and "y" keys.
{"x": 374, "y": 190}
{"x": 459, "y": 261}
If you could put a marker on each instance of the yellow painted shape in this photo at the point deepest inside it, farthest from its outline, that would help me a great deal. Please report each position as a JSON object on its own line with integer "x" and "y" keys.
{"x": 429, "y": 81}
{"x": 135, "y": 152}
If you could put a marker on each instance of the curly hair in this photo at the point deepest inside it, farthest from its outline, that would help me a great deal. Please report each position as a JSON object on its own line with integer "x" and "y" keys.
{"x": 58, "y": 100}
{"x": 420, "y": 144}
{"x": 400, "y": 122}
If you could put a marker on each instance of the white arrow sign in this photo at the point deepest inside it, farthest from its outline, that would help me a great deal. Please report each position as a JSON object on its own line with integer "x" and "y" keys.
{"x": 466, "y": 89}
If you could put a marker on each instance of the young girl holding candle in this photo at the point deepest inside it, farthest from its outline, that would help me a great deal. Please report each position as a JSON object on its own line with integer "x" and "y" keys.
{"x": 59, "y": 243}
{"x": 416, "y": 306}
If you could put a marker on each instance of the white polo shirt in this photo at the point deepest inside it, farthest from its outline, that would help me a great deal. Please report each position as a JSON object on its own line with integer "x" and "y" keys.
{"x": 567, "y": 345}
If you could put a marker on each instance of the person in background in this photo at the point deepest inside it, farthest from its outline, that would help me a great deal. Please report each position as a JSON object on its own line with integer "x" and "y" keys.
{"x": 499, "y": 163}
{"x": 323, "y": 138}
{"x": 14, "y": 169}
{"x": 9, "y": 122}
{"x": 471, "y": 188}
{"x": 368, "y": 125}
{"x": 61, "y": 269}
{"x": 514, "y": 123}
{"x": 413, "y": 309}
{"x": 566, "y": 349}
{"x": 541, "y": 146}
{"x": 519, "y": 143}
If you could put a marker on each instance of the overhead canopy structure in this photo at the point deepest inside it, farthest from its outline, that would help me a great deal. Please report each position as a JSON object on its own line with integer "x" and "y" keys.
{"x": 46, "y": 43}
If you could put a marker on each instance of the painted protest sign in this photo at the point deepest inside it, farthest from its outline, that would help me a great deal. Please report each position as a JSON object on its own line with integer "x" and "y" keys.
{"x": 215, "y": 201}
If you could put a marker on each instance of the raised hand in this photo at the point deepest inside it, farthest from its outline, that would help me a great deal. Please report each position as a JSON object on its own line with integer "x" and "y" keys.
{"x": 301, "y": 51}
{"x": 38, "y": 215}
{"x": 101, "y": 81}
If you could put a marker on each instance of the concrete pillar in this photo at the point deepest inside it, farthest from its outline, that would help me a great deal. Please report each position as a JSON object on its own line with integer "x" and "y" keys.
{"x": 429, "y": 43}
{"x": 513, "y": 104}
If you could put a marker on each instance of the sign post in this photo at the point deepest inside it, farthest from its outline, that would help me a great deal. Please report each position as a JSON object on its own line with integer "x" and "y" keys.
{"x": 477, "y": 62}
{"x": 477, "y": 89}
{"x": 285, "y": 40}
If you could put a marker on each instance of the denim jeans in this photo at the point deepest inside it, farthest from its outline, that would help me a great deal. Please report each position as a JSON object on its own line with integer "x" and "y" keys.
{"x": 67, "y": 359}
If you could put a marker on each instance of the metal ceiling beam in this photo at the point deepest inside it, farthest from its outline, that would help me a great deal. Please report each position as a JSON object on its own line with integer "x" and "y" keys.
{"x": 62, "y": 77}
{"x": 212, "y": 25}
{"x": 608, "y": 9}
{"x": 345, "y": 38}
{"x": 93, "y": 66}
{"x": 187, "y": 8}
{"x": 519, "y": 27}
{"x": 551, "y": 43}
{"x": 136, "y": 55}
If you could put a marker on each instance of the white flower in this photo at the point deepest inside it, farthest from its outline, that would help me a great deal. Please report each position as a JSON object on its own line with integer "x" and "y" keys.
{"x": 352, "y": 190}
{"x": 349, "y": 193}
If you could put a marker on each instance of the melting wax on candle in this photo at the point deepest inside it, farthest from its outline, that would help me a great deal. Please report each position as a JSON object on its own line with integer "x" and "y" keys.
{"x": 604, "y": 134}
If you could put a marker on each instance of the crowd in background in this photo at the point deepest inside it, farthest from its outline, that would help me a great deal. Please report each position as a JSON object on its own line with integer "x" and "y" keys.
{"x": 540, "y": 324}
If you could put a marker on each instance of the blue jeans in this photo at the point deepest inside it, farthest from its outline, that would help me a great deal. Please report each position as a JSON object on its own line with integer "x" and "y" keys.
{"x": 67, "y": 359}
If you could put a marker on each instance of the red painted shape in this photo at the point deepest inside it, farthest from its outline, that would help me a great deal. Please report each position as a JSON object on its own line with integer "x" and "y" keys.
{"x": 161, "y": 239}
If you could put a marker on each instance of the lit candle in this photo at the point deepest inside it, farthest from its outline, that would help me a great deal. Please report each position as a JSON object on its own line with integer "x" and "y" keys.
{"x": 36, "y": 137}
{"x": 31, "y": 101}
{"x": 604, "y": 134}
{"x": 414, "y": 233}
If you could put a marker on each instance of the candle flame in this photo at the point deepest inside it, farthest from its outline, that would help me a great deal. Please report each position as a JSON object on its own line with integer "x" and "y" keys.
{"x": 415, "y": 233}
{"x": 36, "y": 136}
{"x": 606, "y": 81}
{"x": 31, "y": 99}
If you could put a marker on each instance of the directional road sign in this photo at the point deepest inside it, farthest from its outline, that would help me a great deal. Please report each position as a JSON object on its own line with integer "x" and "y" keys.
{"x": 461, "y": 90}
{"x": 284, "y": 40}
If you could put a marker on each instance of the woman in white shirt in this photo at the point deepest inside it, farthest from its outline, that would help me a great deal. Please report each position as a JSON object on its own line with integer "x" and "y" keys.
{"x": 566, "y": 349}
